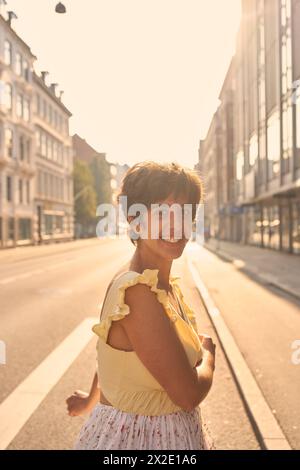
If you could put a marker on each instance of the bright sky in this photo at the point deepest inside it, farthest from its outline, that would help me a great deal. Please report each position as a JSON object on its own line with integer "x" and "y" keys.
{"x": 141, "y": 77}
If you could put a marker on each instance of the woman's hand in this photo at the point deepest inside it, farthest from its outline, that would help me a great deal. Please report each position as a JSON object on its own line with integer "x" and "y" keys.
{"x": 209, "y": 352}
{"x": 208, "y": 344}
{"x": 78, "y": 403}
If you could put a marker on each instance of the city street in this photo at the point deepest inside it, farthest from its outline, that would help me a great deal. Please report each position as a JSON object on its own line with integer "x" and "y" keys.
{"x": 191, "y": 132}
{"x": 47, "y": 294}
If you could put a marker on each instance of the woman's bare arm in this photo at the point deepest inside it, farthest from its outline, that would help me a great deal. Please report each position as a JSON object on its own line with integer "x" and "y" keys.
{"x": 157, "y": 345}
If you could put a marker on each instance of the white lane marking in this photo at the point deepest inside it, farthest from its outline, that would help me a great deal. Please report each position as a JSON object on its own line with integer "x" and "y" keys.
{"x": 268, "y": 427}
{"x": 17, "y": 408}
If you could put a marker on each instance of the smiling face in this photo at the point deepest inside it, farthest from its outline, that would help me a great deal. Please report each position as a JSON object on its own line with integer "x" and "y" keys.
{"x": 153, "y": 186}
{"x": 166, "y": 228}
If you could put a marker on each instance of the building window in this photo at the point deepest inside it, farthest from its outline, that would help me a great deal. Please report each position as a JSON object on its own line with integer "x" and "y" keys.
{"x": 47, "y": 189}
{"x": 19, "y": 106}
{"x": 11, "y": 228}
{"x": 65, "y": 153}
{"x": 24, "y": 229}
{"x": 55, "y": 187}
{"x": 59, "y": 224}
{"x": 9, "y": 188}
{"x": 287, "y": 136}
{"x": 254, "y": 225}
{"x": 266, "y": 227}
{"x": 51, "y": 184}
{"x": 59, "y": 154}
{"x": 273, "y": 145}
{"x": 286, "y": 85}
{"x": 49, "y": 148}
{"x": 38, "y": 140}
{"x": 38, "y": 104}
{"x": 8, "y": 96}
{"x": 26, "y": 110}
{"x": 48, "y": 224}
{"x": 26, "y": 70}
{"x": 39, "y": 183}
{"x": 298, "y": 118}
{"x": 62, "y": 190}
{"x": 28, "y": 150}
{"x": 285, "y": 225}
{"x": 253, "y": 150}
{"x": 240, "y": 165}
{"x": 21, "y": 148}
{"x": 274, "y": 227}
{"x": 50, "y": 115}
{"x": 44, "y": 145}
{"x": 55, "y": 119}
{"x": 19, "y": 68}
{"x": 296, "y": 227}
{"x": 45, "y": 109}
{"x": 20, "y": 191}
{"x": 28, "y": 192}
{"x": 9, "y": 142}
{"x": 64, "y": 156}
{"x": 55, "y": 151}
{"x": 7, "y": 52}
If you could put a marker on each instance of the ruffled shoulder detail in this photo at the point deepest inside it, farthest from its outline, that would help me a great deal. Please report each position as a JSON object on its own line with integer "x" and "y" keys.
{"x": 115, "y": 307}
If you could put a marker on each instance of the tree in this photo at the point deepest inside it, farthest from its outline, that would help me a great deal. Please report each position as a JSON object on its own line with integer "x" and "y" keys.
{"x": 101, "y": 172}
{"x": 84, "y": 194}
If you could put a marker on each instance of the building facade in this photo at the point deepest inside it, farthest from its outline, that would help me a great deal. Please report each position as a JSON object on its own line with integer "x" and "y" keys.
{"x": 36, "y": 159}
{"x": 209, "y": 154}
{"x": 257, "y": 180}
{"x": 84, "y": 151}
{"x": 17, "y": 162}
{"x": 54, "y": 165}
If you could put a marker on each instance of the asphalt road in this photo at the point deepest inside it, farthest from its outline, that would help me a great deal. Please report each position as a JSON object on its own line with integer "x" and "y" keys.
{"x": 45, "y": 293}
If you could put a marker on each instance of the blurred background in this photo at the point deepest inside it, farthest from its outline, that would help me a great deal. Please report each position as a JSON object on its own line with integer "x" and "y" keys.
{"x": 87, "y": 89}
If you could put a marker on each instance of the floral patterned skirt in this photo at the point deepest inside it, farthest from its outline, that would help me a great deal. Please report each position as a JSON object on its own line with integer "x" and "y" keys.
{"x": 108, "y": 428}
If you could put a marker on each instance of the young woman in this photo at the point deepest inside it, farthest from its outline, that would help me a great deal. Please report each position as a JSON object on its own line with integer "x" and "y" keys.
{"x": 154, "y": 369}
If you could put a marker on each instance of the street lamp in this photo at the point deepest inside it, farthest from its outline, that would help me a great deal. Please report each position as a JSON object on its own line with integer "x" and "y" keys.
{"x": 60, "y": 8}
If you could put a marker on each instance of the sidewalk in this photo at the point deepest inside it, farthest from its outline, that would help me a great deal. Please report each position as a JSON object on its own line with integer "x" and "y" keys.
{"x": 281, "y": 270}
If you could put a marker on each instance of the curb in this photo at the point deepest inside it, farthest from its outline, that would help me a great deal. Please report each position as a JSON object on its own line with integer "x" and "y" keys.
{"x": 253, "y": 274}
{"x": 266, "y": 427}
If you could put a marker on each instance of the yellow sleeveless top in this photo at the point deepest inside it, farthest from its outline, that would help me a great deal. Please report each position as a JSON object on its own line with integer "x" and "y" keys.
{"x": 125, "y": 381}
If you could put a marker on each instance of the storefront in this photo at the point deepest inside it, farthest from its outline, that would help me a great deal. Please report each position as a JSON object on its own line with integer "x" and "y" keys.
{"x": 296, "y": 227}
{"x": 25, "y": 229}
{"x": 274, "y": 224}
{"x": 254, "y": 225}
{"x": 53, "y": 224}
